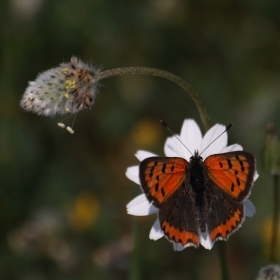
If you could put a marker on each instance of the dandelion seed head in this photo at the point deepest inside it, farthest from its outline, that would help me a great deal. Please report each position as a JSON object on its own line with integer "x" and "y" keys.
{"x": 269, "y": 272}
{"x": 69, "y": 88}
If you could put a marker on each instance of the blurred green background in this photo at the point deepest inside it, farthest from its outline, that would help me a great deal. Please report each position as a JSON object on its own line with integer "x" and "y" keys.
{"x": 62, "y": 196}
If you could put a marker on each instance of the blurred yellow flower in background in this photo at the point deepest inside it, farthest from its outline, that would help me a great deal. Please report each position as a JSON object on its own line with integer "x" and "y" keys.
{"x": 146, "y": 133}
{"x": 83, "y": 212}
{"x": 266, "y": 233}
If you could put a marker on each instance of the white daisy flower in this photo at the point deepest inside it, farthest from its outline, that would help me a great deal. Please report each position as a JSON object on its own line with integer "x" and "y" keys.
{"x": 192, "y": 138}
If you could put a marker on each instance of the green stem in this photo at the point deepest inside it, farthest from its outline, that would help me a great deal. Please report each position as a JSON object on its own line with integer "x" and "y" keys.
{"x": 273, "y": 248}
{"x": 134, "y": 272}
{"x": 223, "y": 260}
{"x": 163, "y": 74}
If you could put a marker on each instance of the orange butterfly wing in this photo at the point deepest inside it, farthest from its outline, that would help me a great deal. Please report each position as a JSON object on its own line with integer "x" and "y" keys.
{"x": 233, "y": 172}
{"x": 160, "y": 177}
{"x": 225, "y": 214}
{"x": 165, "y": 182}
{"x": 232, "y": 176}
{"x": 162, "y": 180}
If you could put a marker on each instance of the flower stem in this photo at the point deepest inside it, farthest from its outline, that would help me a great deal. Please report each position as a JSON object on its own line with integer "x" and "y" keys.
{"x": 223, "y": 260}
{"x": 134, "y": 272}
{"x": 273, "y": 248}
{"x": 163, "y": 74}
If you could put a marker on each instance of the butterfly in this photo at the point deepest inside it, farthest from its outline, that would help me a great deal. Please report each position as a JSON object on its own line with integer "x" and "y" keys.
{"x": 198, "y": 197}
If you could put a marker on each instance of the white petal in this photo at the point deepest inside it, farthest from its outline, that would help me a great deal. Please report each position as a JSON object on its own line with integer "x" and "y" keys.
{"x": 172, "y": 147}
{"x": 140, "y": 206}
{"x": 141, "y": 155}
{"x": 250, "y": 209}
{"x": 232, "y": 148}
{"x": 178, "y": 246}
{"x": 218, "y": 145}
{"x": 132, "y": 173}
{"x": 256, "y": 175}
{"x": 191, "y": 137}
{"x": 205, "y": 240}
{"x": 156, "y": 232}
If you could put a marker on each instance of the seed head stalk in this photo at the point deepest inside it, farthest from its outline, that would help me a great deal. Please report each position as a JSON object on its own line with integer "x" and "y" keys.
{"x": 163, "y": 74}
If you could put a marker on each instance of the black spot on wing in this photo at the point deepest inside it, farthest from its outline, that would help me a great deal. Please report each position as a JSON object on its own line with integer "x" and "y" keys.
{"x": 156, "y": 187}
{"x": 242, "y": 165}
{"x": 237, "y": 181}
{"x": 229, "y": 164}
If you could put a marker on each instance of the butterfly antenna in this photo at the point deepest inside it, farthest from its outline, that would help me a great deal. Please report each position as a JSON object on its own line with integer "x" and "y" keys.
{"x": 166, "y": 126}
{"x": 227, "y": 128}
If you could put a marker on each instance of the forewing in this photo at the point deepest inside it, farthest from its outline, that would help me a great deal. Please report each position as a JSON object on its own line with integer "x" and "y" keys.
{"x": 160, "y": 177}
{"x": 225, "y": 214}
{"x": 178, "y": 218}
{"x": 233, "y": 172}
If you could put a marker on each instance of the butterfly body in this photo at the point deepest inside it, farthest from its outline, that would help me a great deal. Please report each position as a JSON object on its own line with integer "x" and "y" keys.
{"x": 196, "y": 181}
{"x": 198, "y": 197}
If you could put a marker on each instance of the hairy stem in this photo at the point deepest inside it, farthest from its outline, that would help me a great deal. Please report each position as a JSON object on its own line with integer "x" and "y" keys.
{"x": 163, "y": 74}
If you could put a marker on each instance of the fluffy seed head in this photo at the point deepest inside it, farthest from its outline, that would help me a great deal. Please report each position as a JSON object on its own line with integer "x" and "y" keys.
{"x": 269, "y": 272}
{"x": 69, "y": 88}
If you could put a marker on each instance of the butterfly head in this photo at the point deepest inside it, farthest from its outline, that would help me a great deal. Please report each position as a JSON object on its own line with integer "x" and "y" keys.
{"x": 196, "y": 155}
